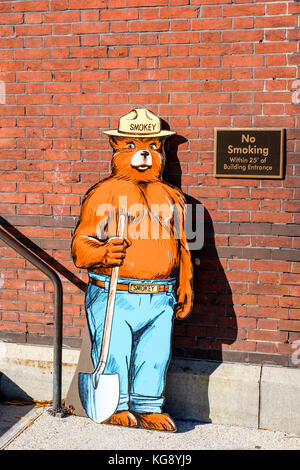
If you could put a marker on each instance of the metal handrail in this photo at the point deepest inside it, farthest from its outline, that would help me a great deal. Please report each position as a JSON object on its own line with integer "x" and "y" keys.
{"x": 9, "y": 240}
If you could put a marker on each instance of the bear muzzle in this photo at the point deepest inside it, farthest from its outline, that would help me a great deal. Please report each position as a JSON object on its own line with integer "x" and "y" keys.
{"x": 142, "y": 160}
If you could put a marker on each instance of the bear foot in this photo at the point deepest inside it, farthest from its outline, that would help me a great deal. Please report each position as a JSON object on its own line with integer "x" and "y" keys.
{"x": 122, "y": 418}
{"x": 157, "y": 421}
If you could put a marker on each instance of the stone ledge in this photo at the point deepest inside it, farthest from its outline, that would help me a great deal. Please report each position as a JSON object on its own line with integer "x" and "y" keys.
{"x": 209, "y": 391}
{"x": 27, "y": 370}
{"x": 279, "y": 395}
{"x": 224, "y": 393}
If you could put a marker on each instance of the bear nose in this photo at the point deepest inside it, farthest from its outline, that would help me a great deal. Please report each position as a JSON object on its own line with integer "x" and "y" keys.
{"x": 145, "y": 153}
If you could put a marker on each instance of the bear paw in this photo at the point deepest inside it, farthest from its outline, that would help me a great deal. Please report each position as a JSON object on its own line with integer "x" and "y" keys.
{"x": 122, "y": 418}
{"x": 157, "y": 421}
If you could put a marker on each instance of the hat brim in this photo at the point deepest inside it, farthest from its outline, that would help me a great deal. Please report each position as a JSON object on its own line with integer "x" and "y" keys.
{"x": 115, "y": 132}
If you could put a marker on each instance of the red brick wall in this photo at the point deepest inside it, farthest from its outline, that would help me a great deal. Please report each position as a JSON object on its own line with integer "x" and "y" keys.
{"x": 70, "y": 69}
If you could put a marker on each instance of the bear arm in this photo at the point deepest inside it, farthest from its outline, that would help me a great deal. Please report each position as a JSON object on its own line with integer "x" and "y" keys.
{"x": 186, "y": 266}
{"x": 87, "y": 250}
{"x": 185, "y": 277}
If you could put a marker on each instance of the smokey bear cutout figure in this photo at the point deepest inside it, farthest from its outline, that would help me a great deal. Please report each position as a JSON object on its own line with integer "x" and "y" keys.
{"x": 154, "y": 282}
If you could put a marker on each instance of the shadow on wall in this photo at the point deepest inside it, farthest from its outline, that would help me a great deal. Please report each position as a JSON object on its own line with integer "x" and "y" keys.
{"x": 212, "y": 322}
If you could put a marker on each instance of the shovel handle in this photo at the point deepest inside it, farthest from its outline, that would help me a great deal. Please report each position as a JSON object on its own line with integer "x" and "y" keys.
{"x": 110, "y": 303}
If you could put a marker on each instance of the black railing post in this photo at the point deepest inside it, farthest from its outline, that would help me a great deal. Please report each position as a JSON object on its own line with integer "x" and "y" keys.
{"x": 57, "y": 347}
{"x": 9, "y": 240}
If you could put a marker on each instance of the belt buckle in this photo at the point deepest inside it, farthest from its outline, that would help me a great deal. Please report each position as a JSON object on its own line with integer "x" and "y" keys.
{"x": 137, "y": 288}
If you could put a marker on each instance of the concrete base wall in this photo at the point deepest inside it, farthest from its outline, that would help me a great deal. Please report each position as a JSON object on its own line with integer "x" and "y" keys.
{"x": 226, "y": 393}
{"x": 27, "y": 370}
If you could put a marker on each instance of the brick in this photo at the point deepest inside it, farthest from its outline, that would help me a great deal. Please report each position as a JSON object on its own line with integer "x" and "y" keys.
{"x": 270, "y": 217}
{"x": 39, "y": 5}
{"x": 58, "y": 41}
{"x": 61, "y": 65}
{"x": 241, "y": 109}
{"x": 241, "y": 204}
{"x": 146, "y": 26}
{"x": 146, "y": 51}
{"x": 208, "y": 74}
{"x": 245, "y": 61}
{"x": 172, "y": 62}
{"x": 120, "y": 14}
{"x": 244, "y": 10}
{"x": 5, "y": 6}
{"x": 268, "y": 289}
{"x": 90, "y": 28}
{"x": 180, "y": 25}
{"x": 33, "y": 77}
{"x": 211, "y": 12}
{"x": 179, "y": 12}
{"x": 62, "y": 17}
{"x": 59, "y": 5}
{"x": 275, "y": 47}
{"x": 180, "y": 38}
{"x": 6, "y": 30}
{"x": 291, "y": 302}
{"x": 11, "y": 19}
{"x": 277, "y": 22}
{"x": 272, "y": 193}
{"x": 277, "y": 9}
{"x": 32, "y": 30}
{"x": 147, "y": 3}
{"x": 282, "y": 242}
{"x": 12, "y": 326}
{"x": 275, "y": 72}
{"x": 265, "y": 335}
{"x": 290, "y": 278}
{"x": 207, "y": 24}
{"x": 120, "y": 63}
{"x": 277, "y": 266}
{"x": 24, "y": 54}
{"x": 243, "y": 36}
{"x": 243, "y": 23}
{"x": 88, "y": 52}
{"x": 77, "y": 4}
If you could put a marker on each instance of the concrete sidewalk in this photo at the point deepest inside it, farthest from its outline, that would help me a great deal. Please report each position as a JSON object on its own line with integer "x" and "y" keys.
{"x": 36, "y": 429}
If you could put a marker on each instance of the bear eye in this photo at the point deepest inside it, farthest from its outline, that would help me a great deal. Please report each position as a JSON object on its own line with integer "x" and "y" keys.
{"x": 153, "y": 146}
{"x": 130, "y": 145}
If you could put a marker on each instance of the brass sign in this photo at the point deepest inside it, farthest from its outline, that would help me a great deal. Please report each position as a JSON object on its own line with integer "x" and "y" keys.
{"x": 249, "y": 153}
{"x": 135, "y": 288}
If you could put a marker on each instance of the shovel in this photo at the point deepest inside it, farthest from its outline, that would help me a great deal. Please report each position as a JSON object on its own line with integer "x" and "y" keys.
{"x": 99, "y": 393}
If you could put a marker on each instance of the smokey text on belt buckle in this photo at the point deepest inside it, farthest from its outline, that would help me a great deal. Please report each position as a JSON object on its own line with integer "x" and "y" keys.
{"x": 143, "y": 288}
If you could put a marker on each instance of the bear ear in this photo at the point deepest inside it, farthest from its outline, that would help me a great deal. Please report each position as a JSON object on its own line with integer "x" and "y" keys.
{"x": 162, "y": 141}
{"x": 114, "y": 142}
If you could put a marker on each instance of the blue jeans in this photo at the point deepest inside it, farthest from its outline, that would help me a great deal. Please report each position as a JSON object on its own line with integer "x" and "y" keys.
{"x": 140, "y": 344}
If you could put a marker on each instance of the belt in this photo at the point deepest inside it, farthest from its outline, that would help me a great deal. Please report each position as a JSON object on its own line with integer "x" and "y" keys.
{"x": 136, "y": 287}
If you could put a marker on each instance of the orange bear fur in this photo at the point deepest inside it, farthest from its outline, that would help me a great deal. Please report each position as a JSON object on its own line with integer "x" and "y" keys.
{"x": 139, "y": 257}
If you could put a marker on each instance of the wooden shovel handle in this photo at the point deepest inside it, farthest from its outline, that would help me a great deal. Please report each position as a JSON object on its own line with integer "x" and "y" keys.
{"x": 111, "y": 300}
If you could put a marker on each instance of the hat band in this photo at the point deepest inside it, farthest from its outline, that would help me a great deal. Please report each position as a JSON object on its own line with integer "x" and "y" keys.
{"x": 141, "y": 128}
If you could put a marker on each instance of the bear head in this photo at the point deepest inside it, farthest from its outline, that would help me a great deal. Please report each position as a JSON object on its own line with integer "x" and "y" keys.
{"x": 138, "y": 159}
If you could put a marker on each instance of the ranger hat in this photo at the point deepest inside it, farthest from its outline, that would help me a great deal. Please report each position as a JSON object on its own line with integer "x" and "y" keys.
{"x": 139, "y": 122}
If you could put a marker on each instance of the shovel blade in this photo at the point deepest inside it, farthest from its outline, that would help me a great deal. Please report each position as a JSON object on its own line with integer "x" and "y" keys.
{"x": 100, "y": 401}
